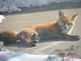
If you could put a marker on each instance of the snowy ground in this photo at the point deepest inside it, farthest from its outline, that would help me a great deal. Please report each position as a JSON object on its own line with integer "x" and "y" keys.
{"x": 14, "y": 5}
{"x": 18, "y": 56}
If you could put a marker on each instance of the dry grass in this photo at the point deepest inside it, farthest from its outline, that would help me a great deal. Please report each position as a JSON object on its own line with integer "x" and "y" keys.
{"x": 72, "y": 51}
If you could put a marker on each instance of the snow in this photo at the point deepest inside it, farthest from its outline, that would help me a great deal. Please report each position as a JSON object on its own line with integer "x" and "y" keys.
{"x": 13, "y": 9}
{"x": 38, "y": 3}
{"x": 29, "y": 3}
{"x": 1, "y": 18}
{"x": 13, "y": 5}
{"x": 8, "y": 6}
{"x": 22, "y": 3}
{"x": 7, "y": 55}
{"x": 4, "y": 9}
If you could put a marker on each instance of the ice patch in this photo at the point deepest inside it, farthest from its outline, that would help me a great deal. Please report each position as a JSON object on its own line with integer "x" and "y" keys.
{"x": 1, "y": 18}
{"x": 18, "y": 56}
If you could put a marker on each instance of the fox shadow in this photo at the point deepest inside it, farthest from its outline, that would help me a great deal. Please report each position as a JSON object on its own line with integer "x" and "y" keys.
{"x": 72, "y": 38}
{"x": 45, "y": 39}
{"x": 19, "y": 45}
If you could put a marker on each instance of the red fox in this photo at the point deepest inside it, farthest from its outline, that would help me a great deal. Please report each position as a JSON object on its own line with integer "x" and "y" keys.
{"x": 27, "y": 35}
{"x": 61, "y": 29}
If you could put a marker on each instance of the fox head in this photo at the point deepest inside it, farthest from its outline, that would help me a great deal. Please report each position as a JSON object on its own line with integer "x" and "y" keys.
{"x": 66, "y": 21}
{"x": 67, "y": 18}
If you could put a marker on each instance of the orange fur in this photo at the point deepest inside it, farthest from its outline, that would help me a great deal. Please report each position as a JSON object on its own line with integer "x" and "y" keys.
{"x": 62, "y": 27}
{"x": 28, "y": 35}
{"x": 8, "y": 37}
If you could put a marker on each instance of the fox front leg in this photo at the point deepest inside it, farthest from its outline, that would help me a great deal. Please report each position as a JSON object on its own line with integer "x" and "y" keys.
{"x": 71, "y": 37}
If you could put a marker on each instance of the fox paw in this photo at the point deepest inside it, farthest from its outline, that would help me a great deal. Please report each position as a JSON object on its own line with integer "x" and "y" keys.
{"x": 74, "y": 38}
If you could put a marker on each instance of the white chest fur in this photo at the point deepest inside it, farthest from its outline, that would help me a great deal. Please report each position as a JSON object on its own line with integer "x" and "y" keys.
{"x": 65, "y": 27}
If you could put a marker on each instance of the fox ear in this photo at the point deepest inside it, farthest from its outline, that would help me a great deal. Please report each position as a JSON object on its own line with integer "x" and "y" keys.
{"x": 74, "y": 17}
{"x": 61, "y": 14}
